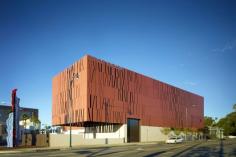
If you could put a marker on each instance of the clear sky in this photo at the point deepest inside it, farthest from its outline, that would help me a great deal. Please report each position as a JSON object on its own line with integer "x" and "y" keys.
{"x": 188, "y": 44}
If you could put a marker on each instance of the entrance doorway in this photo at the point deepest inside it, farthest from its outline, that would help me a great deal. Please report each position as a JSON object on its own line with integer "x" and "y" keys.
{"x": 133, "y": 130}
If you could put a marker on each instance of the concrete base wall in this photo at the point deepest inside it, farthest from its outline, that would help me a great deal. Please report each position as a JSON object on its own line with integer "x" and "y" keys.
{"x": 62, "y": 140}
{"x": 147, "y": 134}
{"x": 120, "y": 133}
{"x": 151, "y": 133}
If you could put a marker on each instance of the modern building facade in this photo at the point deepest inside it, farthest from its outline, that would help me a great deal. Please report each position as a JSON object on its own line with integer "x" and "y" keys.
{"x": 108, "y": 101}
{"x": 4, "y": 112}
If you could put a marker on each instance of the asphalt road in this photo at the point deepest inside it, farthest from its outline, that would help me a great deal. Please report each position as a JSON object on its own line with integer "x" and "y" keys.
{"x": 193, "y": 149}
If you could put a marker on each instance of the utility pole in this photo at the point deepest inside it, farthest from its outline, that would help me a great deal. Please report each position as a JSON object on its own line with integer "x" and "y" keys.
{"x": 74, "y": 76}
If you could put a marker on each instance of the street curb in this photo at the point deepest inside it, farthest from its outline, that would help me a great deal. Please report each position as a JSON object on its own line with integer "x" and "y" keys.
{"x": 9, "y": 152}
{"x": 47, "y": 150}
{"x": 28, "y": 151}
{"x": 51, "y": 149}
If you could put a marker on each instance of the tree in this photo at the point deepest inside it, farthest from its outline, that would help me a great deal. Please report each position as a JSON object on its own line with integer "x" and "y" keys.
{"x": 165, "y": 131}
{"x": 35, "y": 120}
{"x": 234, "y": 107}
{"x": 208, "y": 121}
{"x": 25, "y": 117}
{"x": 228, "y": 123}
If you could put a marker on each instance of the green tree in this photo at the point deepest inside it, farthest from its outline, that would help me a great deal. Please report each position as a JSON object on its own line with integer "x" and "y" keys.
{"x": 208, "y": 121}
{"x": 228, "y": 123}
{"x": 234, "y": 107}
{"x": 25, "y": 117}
{"x": 35, "y": 120}
{"x": 165, "y": 131}
{"x": 204, "y": 130}
{"x": 177, "y": 131}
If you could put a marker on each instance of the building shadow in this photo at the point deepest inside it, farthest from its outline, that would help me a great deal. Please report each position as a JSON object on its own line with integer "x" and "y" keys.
{"x": 110, "y": 153}
{"x": 155, "y": 154}
{"x": 92, "y": 153}
{"x": 221, "y": 151}
{"x": 233, "y": 153}
{"x": 202, "y": 151}
{"x": 83, "y": 152}
{"x": 161, "y": 152}
{"x": 195, "y": 150}
{"x": 100, "y": 152}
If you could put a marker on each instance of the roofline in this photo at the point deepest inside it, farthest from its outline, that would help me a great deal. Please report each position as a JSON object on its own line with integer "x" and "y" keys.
{"x": 6, "y": 106}
{"x": 117, "y": 66}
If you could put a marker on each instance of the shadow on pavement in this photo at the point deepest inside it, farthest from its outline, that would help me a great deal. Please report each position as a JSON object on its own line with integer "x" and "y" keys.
{"x": 204, "y": 151}
{"x": 114, "y": 152}
{"x": 154, "y": 154}
{"x": 90, "y": 153}
{"x": 83, "y": 152}
{"x": 161, "y": 152}
{"x": 221, "y": 152}
{"x": 233, "y": 153}
{"x": 185, "y": 150}
{"x": 98, "y": 153}
{"x": 216, "y": 149}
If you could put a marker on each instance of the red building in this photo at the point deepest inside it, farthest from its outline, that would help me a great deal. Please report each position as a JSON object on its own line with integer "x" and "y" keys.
{"x": 106, "y": 95}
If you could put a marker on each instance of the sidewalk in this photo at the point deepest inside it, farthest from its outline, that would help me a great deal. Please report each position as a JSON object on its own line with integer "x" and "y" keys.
{"x": 5, "y": 150}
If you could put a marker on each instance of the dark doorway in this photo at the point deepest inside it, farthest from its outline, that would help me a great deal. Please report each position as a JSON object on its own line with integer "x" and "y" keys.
{"x": 133, "y": 130}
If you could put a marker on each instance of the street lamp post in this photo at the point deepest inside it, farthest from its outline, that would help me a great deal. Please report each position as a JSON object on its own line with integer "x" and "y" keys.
{"x": 74, "y": 76}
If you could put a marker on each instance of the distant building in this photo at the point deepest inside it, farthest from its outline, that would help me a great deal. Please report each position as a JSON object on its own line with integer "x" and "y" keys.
{"x": 5, "y": 110}
{"x": 29, "y": 125}
{"x": 108, "y": 101}
{"x": 216, "y": 132}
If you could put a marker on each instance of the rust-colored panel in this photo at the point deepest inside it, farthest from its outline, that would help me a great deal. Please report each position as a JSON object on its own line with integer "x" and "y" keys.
{"x": 60, "y": 94}
{"x": 111, "y": 94}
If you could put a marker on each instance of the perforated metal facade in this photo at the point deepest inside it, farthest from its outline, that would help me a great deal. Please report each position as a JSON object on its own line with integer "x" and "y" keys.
{"x": 106, "y": 93}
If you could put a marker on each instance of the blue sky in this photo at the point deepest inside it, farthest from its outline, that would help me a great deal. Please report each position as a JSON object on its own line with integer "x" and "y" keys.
{"x": 189, "y": 44}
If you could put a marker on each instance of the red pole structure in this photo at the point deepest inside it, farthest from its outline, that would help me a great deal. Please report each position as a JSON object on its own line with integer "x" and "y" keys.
{"x": 13, "y": 102}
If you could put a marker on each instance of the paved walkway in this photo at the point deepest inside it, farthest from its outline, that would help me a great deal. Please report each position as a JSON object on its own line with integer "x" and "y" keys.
{"x": 4, "y": 150}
